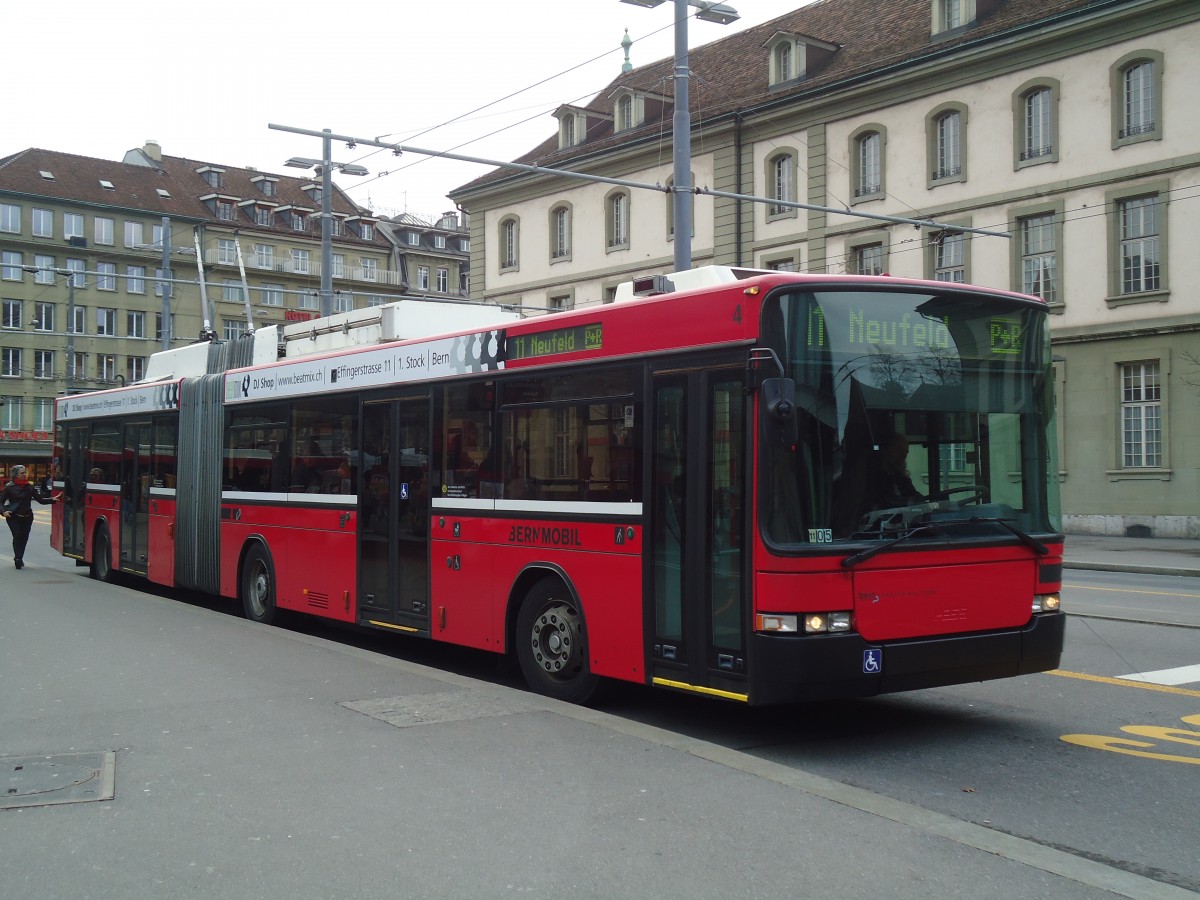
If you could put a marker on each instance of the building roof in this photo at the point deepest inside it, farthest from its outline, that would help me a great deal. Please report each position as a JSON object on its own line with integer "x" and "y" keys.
{"x": 163, "y": 186}
{"x": 732, "y": 74}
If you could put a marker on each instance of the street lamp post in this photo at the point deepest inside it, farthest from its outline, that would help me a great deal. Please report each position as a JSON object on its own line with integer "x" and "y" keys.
{"x": 325, "y": 165}
{"x": 681, "y": 120}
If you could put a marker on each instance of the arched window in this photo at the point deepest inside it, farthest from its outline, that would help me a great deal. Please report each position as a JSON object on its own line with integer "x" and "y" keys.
{"x": 946, "y": 129}
{"x": 510, "y": 235}
{"x": 1035, "y": 123}
{"x": 781, "y": 183}
{"x": 1137, "y": 90}
{"x": 560, "y": 232}
{"x": 616, "y": 220}
{"x": 783, "y": 62}
{"x": 625, "y": 113}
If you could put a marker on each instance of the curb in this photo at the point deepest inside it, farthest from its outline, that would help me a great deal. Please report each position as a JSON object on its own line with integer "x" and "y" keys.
{"x": 1138, "y": 570}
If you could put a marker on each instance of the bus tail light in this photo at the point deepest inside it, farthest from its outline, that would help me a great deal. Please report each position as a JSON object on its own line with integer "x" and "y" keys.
{"x": 1046, "y": 603}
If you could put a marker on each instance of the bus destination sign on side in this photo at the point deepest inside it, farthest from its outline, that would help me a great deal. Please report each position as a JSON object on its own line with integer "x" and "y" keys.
{"x": 558, "y": 340}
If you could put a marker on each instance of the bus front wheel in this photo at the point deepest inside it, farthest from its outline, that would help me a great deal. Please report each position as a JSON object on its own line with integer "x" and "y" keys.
{"x": 258, "y": 586}
{"x": 551, "y": 644}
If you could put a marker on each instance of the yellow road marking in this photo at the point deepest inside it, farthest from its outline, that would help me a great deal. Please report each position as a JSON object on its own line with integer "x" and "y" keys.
{"x": 1145, "y": 686}
{"x": 1088, "y": 587}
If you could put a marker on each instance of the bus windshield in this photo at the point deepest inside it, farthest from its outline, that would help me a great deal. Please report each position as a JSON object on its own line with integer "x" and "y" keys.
{"x": 914, "y": 409}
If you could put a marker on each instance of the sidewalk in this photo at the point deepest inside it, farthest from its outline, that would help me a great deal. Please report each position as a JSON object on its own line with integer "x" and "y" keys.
{"x": 1148, "y": 556}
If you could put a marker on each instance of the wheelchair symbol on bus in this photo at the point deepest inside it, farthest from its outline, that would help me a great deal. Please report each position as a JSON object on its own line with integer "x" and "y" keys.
{"x": 404, "y": 490}
{"x": 872, "y": 661}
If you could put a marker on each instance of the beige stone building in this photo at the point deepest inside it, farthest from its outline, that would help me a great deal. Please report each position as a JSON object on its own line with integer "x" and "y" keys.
{"x": 1066, "y": 124}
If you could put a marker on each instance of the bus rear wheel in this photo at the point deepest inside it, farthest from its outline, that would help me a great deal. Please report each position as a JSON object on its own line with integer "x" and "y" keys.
{"x": 551, "y": 644}
{"x": 102, "y": 569}
{"x": 258, "y": 586}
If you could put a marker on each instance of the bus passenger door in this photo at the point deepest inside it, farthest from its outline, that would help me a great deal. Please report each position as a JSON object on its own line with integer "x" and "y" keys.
{"x": 393, "y": 515}
{"x": 697, "y": 507}
{"x": 135, "y": 499}
{"x": 74, "y": 477}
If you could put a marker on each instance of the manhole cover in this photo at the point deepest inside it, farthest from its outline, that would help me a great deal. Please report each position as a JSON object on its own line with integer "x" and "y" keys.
{"x": 64, "y": 778}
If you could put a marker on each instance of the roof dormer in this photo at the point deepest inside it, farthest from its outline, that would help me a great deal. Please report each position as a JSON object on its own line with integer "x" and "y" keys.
{"x": 795, "y": 57}
{"x": 951, "y": 17}
{"x": 572, "y": 125}
{"x": 211, "y": 174}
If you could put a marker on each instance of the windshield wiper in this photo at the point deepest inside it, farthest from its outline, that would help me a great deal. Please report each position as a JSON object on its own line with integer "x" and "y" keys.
{"x": 1028, "y": 540}
{"x": 863, "y": 555}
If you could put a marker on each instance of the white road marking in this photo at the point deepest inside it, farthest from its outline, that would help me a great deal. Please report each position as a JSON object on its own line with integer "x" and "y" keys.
{"x": 1181, "y": 675}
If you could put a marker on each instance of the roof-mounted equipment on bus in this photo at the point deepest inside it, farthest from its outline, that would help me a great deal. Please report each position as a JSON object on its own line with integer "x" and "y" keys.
{"x": 652, "y": 286}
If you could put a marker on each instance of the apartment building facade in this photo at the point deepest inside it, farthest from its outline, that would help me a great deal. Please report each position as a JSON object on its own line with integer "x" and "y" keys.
{"x": 1063, "y": 124}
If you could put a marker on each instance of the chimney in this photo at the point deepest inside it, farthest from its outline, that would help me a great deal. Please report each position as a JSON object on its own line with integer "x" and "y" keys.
{"x": 153, "y": 150}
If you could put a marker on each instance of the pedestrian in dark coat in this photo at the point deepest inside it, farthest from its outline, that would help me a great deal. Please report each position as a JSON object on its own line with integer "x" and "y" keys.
{"x": 16, "y": 505}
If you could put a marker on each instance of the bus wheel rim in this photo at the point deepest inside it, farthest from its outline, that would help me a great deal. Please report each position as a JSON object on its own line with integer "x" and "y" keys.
{"x": 555, "y": 640}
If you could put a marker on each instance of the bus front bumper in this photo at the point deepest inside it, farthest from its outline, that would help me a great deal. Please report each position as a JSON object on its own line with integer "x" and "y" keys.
{"x": 792, "y": 668}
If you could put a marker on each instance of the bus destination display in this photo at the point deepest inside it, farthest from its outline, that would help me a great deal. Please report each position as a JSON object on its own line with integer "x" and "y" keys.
{"x": 559, "y": 340}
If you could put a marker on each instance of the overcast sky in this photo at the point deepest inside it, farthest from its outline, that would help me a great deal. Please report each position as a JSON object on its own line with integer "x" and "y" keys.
{"x": 206, "y": 79}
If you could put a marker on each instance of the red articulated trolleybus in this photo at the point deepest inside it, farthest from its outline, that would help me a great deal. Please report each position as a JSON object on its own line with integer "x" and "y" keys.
{"x": 702, "y": 486}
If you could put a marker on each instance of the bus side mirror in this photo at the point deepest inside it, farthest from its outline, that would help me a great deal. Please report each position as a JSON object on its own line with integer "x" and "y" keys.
{"x": 777, "y": 397}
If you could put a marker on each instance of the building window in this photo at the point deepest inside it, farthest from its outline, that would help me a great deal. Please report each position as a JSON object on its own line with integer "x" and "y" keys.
{"x": 45, "y": 269}
{"x": 135, "y": 368}
{"x": 561, "y": 302}
{"x": 868, "y": 259}
{"x": 106, "y": 321}
{"x": 309, "y": 301}
{"x": 299, "y": 221}
{"x": 106, "y": 276}
{"x": 103, "y": 229}
{"x": 43, "y": 316}
{"x": 212, "y": 177}
{"x": 271, "y": 295}
{"x": 226, "y": 252}
{"x": 72, "y": 225}
{"x": 10, "y": 362}
{"x": 783, "y": 62}
{"x": 43, "y": 414}
{"x": 947, "y": 145}
{"x": 79, "y": 321}
{"x": 10, "y": 218}
{"x": 1136, "y": 84}
{"x": 509, "y": 243}
{"x": 1039, "y": 256}
{"x": 106, "y": 367}
{"x": 866, "y": 169}
{"x": 10, "y": 413}
{"x": 1139, "y": 223}
{"x": 370, "y": 269}
{"x": 262, "y": 215}
{"x": 566, "y": 131}
{"x": 300, "y": 260}
{"x": 225, "y": 211}
{"x": 43, "y": 363}
{"x": 443, "y": 279}
{"x": 414, "y": 239}
{"x": 231, "y": 291}
{"x": 624, "y": 113}
{"x": 1141, "y": 416}
{"x": 133, "y": 234}
{"x": 781, "y": 170}
{"x": 1036, "y": 120}
{"x": 264, "y": 256}
{"x": 76, "y": 267}
{"x": 135, "y": 279}
{"x": 10, "y": 317}
{"x": 616, "y": 220}
{"x": 43, "y": 223}
{"x": 423, "y": 278}
{"x": 560, "y": 233}
{"x": 343, "y": 301}
{"x": 949, "y": 256}
{"x": 338, "y": 226}
{"x": 439, "y": 242}
{"x": 10, "y": 265}
{"x": 135, "y": 323}
{"x": 368, "y": 231}
{"x": 338, "y": 263}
